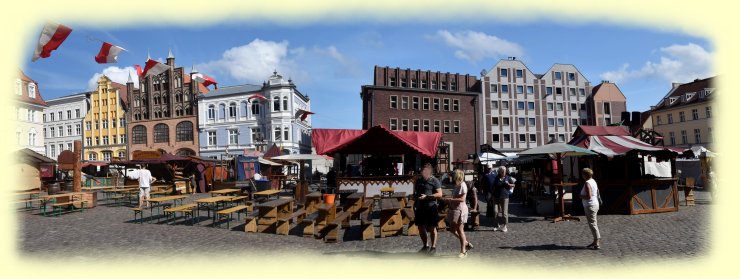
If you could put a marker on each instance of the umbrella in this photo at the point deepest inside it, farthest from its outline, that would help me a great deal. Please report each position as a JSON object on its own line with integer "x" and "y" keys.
{"x": 559, "y": 148}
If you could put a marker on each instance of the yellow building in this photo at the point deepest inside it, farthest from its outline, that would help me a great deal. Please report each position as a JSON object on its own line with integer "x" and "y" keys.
{"x": 684, "y": 116}
{"x": 105, "y": 123}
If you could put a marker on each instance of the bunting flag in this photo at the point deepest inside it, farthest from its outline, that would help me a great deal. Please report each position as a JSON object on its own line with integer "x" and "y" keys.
{"x": 153, "y": 67}
{"x": 52, "y": 36}
{"x": 138, "y": 70}
{"x": 204, "y": 79}
{"x": 257, "y": 96}
{"x": 108, "y": 53}
{"x": 302, "y": 114}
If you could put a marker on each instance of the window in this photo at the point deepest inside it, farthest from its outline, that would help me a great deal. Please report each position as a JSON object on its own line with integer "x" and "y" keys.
{"x": 212, "y": 138}
{"x": 504, "y": 72}
{"x": 455, "y": 105}
{"x": 681, "y": 116}
{"x": 505, "y": 121}
{"x": 184, "y": 131}
{"x": 695, "y": 114}
{"x": 425, "y": 103}
{"x": 456, "y": 126}
{"x": 684, "y": 137}
{"x": 520, "y": 105}
{"x": 494, "y": 121}
{"x": 278, "y": 133}
{"x": 32, "y": 139}
{"x": 29, "y": 115}
{"x": 572, "y": 91}
{"x": 672, "y": 137}
{"x": 574, "y": 122}
{"x": 415, "y": 125}
{"x": 138, "y": 135}
{"x": 115, "y": 139}
{"x": 415, "y": 103}
{"x": 533, "y": 138}
{"x": 31, "y": 90}
{"x": 423, "y": 83}
{"x": 507, "y": 138}
{"x": 51, "y": 132}
{"x": 709, "y": 112}
{"x": 697, "y": 136}
{"x": 504, "y": 88}
{"x": 709, "y": 133}
{"x": 551, "y": 122}
{"x": 391, "y": 81}
{"x": 97, "y": 140}
{"x": 530, "y": 89}
{"x": 558, "y": 75}
{"x": 607, "y": 108}
{"x": 519, "y": 73}
{"x": 43, "y": 116}
{"x": 60, "y": 115}
{"x": 106, "y": 140}
{"x": 413, "y": 83}
{"x": 256, "y": 134}
{"x": 519, "y": 89}
{"x": 532, "y": 122}
{"x": 69, "y": 130}
{"x": 105, "y": 123}
{"x": 494, "y": 105}
{"x": 561, "y": 122}
{"x": 69, "y": 146}
{"x": 530, "y": 105}
{"x": 495, "y": 138}
{"x": 670, "y": 118}
{"x": 453, "y": 85}
{"x": 88, "y": 141}
{"x": 45, "y": 134}
{"x": 494, "y": 88}
{"x": 51, "y": 116}
{"x": 405, "y": 125}
{"x": 504, "y": 104}
{"x": 446, "y": 104}
{"x": 581, "y": 92}
{"x": 404, "y": 102}
{"x": 255, "y": 108}
{"x": 122, "y": 122}
{"x": 446, "y": 127}
{"x": 232, "y": 110}
{"x": 574, "y": 108}
{"x": 403, "y": 82}
{"x": 560, "y": 106}
{"x": 276, "y": 103}
{"x": 444, "y": 85}
{"x": 123, "y": 138}
{"x": 121, "y": 154}
{"x": 558, "y": 91}
{"x": 285, "y": 102}
{"x": 548, "y": 90}
{"x": 69, "y": 114}
{"x": 18, "y": 87}
{"x": 571, "y": 76}
{"x": 521, "y": 121}
{"x": 394, "y": 102}
{"x": 522, "y": 138}
{"x": 92, "y": 156}
{"x": 437, "y": 125}
{"x": 394, "y": 124}
{"x": 53, "y": 150}
{"x": 425, "y": 125}
{"x": 549, "y": 106}
{"x": 658, "y": 120}
{"x": 435, "y": 104}
{"x": 434, "y": 84}
{"x": 233, "y": 137}
{"x": 286, "y": 133}
{"x": 161, "y": 133}
{"x": 561, "y": 138}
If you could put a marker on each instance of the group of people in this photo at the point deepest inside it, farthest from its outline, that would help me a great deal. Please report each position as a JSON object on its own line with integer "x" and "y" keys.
{"x": 498, "y": 187}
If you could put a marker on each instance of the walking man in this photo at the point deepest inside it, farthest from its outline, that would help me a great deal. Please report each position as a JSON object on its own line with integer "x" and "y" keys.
{"x": 502, "y": 185}
{"x": 145, "y": 184}
{"x": 427, "y": 190}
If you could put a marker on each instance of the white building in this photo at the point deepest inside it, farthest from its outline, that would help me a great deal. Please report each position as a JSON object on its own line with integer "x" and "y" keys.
{"x": 63, "y": 123}
{"x": 28, "y": 110}
{"x": 229, "y": 121}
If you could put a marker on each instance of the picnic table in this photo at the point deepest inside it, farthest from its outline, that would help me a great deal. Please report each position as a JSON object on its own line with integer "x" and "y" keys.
{"x": 33, "y": 196}
{"x": 211, "y": 202}
{"x": 223, "y": 192}
{"x": 354, "y": 203}
{"x": 61, "y": 200}
{"x": 400, "y": 197}
{"x": 267, "y": 194}
{"x": 174, "y": 199}
{"x": 327, "y": 213}
{"x": 271, "y": 211}
{"x": 391, "y": 222}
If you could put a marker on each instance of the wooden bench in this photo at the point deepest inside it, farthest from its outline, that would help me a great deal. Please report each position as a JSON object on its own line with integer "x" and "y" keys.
{"x": 283, "y": 224}
{"x": 138, "y": 211}
{"x": 309, "y": 224}
{"x": 251, "y": 222}
{"x": 58, "y": 207}
{"x": 29, "y": 202}
{"x": 331, "y": 231}
{"x": 408, "y": 219}
{"x": 186, "y": 210}
{"x": 235, "y": 200}
{"x": 366, "y": 220}
{"x": 227, "y": 213}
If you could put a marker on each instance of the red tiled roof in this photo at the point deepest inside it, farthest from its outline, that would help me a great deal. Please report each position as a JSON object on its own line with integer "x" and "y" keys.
{"x": 697, "y": 86}
{"x": 122, "y": 92}
{"x": 24, "y": 91}
{"x": 202, "y": 89}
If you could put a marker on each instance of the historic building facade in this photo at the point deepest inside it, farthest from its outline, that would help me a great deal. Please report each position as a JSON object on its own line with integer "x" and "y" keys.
{"x": 28, "y": 108}
{"x": 605, "y": 105}
{"x": 105, "y": 123}
{"x": 63, "y": 120}
{"x": 684, "y": 115}
{"x": 252, "y": 117}
{"x": 163, "y": 112}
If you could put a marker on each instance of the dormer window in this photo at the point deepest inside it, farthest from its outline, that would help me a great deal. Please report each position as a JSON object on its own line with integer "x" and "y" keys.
{"x": 689, "y": 96}
{"x": 31, "y": 90}
{"x": 18, "y": 87}
{"x": 672, "y": 100}
{"x": 707, "y": 92}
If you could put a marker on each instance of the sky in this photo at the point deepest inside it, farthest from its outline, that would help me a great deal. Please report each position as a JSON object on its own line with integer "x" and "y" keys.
{"x": 330, "y": 62}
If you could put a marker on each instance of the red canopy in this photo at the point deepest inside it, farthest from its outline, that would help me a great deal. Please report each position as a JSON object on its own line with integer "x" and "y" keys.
{"x": 99, "y": 164}
{"x": 376, "y": 140}
{"x": 612, "y": 141}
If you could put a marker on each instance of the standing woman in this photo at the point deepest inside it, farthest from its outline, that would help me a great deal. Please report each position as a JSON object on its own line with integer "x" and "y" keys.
{"x": 589, "y": 197}
{"x": 457, "y": 213}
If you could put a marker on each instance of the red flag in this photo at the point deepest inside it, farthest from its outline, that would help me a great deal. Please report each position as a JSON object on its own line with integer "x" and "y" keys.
{"x": 52, "y": 36}
{"x": 257, "y": 96}
{"x": 153, "y": 67}
{"x": 302, "y": 114}
{"x": 138, "y": 70}
{"x": 108, "y": 53}
{"x": 204, "y": 79}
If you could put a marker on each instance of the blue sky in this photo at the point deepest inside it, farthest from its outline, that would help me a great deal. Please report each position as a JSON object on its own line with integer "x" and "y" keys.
{"x": 330, "y": 62}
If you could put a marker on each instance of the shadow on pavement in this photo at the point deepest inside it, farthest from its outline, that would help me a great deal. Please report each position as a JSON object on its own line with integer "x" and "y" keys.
{"x": 387, "y": 255}
{"x": 545, "y": 247}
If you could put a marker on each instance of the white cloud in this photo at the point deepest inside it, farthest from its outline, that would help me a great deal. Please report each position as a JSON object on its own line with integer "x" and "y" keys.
{"x": 678, "y": 63}
{"x": 474, "y": 46}
{"x": 116, "y": 74}
{"x": 348, "y": 66}
{"x": 255, "y": 61}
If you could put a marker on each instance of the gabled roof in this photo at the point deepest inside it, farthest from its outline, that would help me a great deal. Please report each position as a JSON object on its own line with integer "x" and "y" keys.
{"x": 122, "y": 92}
{"x": 697, "y": 87}
{"x": 596, "y": 89}
{"x": 201, "y": 87}
{"x": 38, "y": 100}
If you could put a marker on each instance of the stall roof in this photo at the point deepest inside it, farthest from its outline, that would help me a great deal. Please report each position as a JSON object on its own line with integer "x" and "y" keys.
{"x": 97, "y": 164}
{"x": 28, "y": 154}
{"x": 612, "y": 141}
{"x": 268, "y": 162}
{"x": 376, "y": 140}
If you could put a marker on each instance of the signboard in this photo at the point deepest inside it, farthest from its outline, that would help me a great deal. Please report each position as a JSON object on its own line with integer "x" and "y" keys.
{"x": 142, "y": 155}
{"x": 66, "y": 160}
{"x": 46, "y": 171}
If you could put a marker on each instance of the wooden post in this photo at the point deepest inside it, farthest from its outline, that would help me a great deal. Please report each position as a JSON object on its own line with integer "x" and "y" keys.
{"x": 77, "y": 173}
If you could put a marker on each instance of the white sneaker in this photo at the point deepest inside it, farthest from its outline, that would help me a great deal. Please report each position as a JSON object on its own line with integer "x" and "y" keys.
{"x": 504, "y": 229}
{"x": 495, "y": 229}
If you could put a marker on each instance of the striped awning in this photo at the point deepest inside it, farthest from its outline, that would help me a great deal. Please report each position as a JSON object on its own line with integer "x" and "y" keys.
{"x": 611, "y": 145}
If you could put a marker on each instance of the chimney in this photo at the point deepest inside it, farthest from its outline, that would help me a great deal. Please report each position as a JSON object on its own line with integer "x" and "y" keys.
{"x": 675, "y": 84}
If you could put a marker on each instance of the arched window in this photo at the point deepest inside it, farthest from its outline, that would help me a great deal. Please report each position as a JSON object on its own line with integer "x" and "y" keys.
{"x": 221, "y": 111}
{"x": 276, "y": 104}
{"x": 244, "y": 109}
{"x": 285, "y": 103}
{"x": 211, "y": 112}
{"x": 232, "y": 110}
{"x": 255, "y": 108}
{"x": 278, "y": 134}
{"x": 185, "y": 152}
{"x": 121, "y": 155}
{"x": 184, "y": 131}
{"x": 139, "y": 135}
{"x": 137, "y": 102}
{"x": 161, "y": 133}
{"x": 286, "y": 133}
{"x": 31, "y": 90}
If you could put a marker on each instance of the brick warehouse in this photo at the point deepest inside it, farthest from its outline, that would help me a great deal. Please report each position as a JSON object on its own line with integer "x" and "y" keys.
{"x": 163, "y": 113}
{"x": 418, "y": 100}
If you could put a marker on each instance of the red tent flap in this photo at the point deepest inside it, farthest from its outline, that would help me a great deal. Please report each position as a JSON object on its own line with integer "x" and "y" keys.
{"x": 376, "y": 140}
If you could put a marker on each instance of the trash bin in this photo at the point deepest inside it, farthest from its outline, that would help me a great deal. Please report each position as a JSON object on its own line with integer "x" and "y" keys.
{"x": 53, "y": 188}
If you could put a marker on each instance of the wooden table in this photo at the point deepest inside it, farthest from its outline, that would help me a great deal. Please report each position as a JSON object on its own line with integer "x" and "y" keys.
{"x": 269, "y": 212}
{"x": 225, "y": 192}
{"x": 174, "y": 199}
{"x": 207, "y": 202}
{"x": 386, "y": 191}
{"x": 561, "y": 199}
{"x": 400, "y": 197}
{"x": 354, "y": 203}
{"x": 59, "y": 198}
{"x": 267, "y": 194}
{"x": 327, "y": 214}
{"x": 312, "y": 202}
{"x": 391, "y": 222}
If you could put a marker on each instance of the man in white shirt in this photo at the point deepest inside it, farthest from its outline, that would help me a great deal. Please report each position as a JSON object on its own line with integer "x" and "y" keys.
{"x": 257, "y": 176}
{"x": 145, "y": 182}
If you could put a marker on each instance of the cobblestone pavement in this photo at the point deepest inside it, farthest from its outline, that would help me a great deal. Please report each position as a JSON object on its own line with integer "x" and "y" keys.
{"x": 106, "y": 232}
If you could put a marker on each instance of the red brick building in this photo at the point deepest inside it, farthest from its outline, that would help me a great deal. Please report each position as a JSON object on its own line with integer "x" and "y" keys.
{"x": 426, "y": 101}
{"x": 162, "y": 112}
